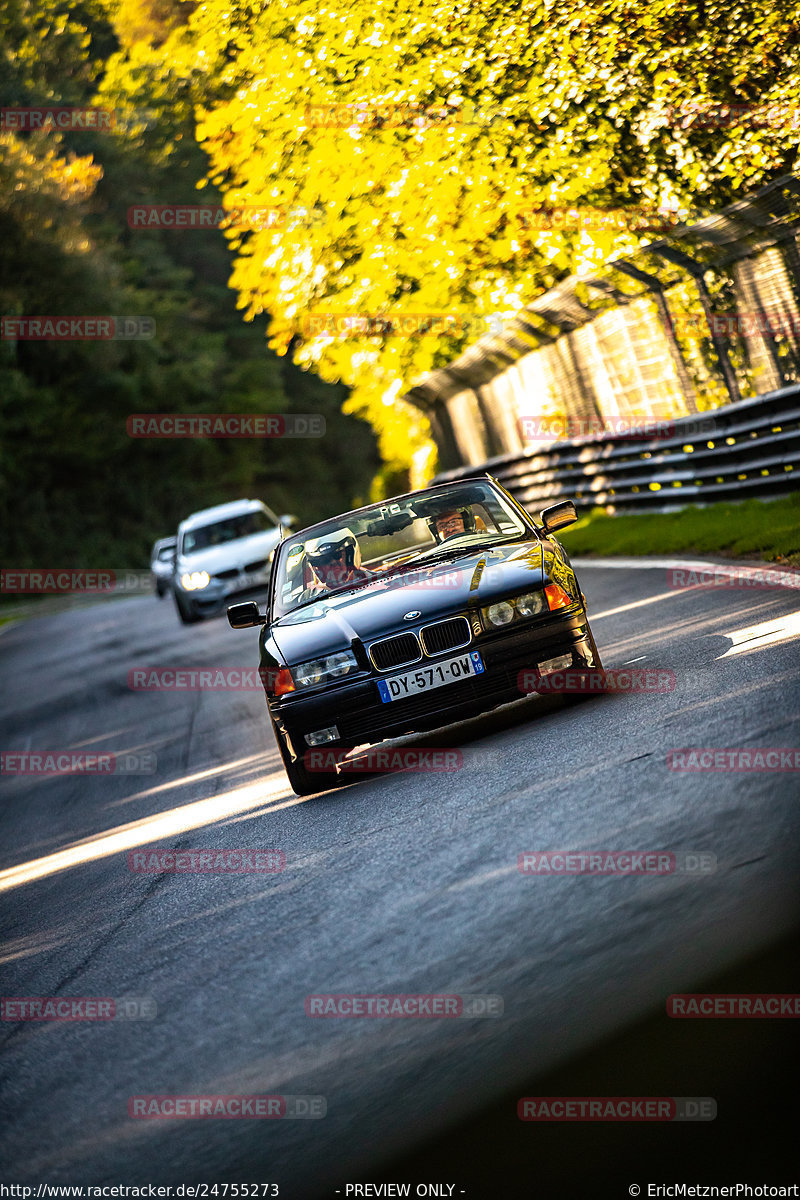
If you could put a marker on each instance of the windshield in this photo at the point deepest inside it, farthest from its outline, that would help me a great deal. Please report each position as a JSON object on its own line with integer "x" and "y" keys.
{"x": 220, "y": 532}
{"x": 390, "y": 537}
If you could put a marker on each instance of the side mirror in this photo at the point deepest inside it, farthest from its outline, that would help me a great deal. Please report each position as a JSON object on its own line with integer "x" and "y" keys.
{"x": 558, "y": 515}
{"x": 242, "y": 616}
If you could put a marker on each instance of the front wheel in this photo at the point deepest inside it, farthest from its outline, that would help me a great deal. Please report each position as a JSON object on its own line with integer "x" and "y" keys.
{"x": 594, "y": 671}
{"x": 187, "y": 615}
{"x": 302, "y": 781}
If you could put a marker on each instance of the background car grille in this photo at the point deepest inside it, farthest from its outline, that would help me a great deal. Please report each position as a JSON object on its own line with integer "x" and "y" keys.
{"x": 394, "y": 652}
{"x": 446, "y": 635}
{"x": 231, "y": 573}
{"x": 258, "y": 565}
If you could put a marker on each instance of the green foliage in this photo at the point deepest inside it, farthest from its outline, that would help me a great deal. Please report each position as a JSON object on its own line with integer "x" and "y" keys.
{"x": 421, "y": 137}
{"x": 74, "y": 488}
{"x": 462, "y": 120}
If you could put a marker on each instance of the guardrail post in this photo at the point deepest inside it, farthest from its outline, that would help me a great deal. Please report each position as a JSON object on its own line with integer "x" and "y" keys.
{"x": 653, "y": 285}
{"x": 697, "y": 272}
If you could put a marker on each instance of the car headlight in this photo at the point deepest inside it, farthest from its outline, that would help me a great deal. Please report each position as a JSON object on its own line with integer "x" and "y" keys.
{"x": 320, "y": 670}
{"x": 196, "y": 580}
{"x": 530, "y": 604}
{"x": 500, "y": 614}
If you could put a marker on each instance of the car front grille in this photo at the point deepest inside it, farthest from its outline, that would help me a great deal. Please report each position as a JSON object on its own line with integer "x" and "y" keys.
{"x": 446, "y": 635}
{"x": 231, "y": 573}
{"x": 395, "y": 652}
{"x": 258, "y": 565}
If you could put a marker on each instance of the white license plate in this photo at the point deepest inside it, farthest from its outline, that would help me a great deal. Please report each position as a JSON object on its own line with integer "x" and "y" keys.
{"x": 434, "y": 675}
{"x": 250, "y": 581}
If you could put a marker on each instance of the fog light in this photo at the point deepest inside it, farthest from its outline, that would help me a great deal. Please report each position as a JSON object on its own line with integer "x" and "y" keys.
{"x": 556, "y": 664}
{"x": 321, "y": 736}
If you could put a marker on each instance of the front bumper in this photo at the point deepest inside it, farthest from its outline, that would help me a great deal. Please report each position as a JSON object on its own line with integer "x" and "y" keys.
{"x": 360, "y": 716}
{"x": 212, "y": 605}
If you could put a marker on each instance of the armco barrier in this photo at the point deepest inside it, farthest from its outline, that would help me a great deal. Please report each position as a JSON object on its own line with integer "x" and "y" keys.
{"x": 749, "y": 449}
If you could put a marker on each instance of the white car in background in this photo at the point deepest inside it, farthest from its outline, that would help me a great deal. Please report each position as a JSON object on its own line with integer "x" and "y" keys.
{"x": 162, "y": 564}
{"x": 225, "y": 553}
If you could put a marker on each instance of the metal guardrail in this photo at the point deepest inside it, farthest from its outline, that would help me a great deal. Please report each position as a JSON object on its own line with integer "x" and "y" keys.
{"x": 708, "y": 310}
{"x": 744, "y": 450}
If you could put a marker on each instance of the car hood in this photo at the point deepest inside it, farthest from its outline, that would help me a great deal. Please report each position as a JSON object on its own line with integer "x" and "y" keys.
{"x": 231, "y": 554}
{"x": 378, "y": 609}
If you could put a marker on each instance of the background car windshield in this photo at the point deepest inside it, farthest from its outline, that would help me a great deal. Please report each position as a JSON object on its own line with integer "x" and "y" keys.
{"x": 394, "y": 535}
{"x": 228, "y": 530}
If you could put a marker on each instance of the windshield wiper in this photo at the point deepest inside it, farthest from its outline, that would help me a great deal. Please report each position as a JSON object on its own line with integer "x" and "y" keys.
{"x": 440, "y": 553}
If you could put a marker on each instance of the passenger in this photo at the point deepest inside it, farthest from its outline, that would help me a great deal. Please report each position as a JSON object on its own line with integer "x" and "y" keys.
{"x": 335, "y": 560}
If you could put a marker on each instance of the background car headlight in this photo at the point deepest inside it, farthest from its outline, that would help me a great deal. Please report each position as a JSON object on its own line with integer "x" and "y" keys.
{"x": 500, "y": 614}
{"x": 196, "y": 581}
{"x": 319, "y": 670}
{"x": 530, "y": 604}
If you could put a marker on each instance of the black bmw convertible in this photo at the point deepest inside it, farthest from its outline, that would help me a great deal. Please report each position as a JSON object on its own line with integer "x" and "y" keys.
{"x": 411, "y": 614}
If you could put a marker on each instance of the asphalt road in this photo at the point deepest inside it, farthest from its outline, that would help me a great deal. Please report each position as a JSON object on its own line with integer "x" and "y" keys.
{"x": 403, "y": 884}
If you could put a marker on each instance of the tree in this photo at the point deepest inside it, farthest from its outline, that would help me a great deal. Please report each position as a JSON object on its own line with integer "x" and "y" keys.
{"x": 424, "y": 140}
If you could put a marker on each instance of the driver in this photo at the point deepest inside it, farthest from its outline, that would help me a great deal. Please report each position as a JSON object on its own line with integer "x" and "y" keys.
{"x": 452, "y": 522}
{"x": 335, "y": 560}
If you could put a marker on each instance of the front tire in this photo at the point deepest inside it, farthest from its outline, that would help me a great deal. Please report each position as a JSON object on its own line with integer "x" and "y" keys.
{"x": 594, "y": 671}
{"x": 302, "y": 781}
{"x": 187, "y": 616}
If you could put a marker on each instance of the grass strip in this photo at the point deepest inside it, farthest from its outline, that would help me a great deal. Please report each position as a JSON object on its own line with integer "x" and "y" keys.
{"x": 767, "y": 530}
